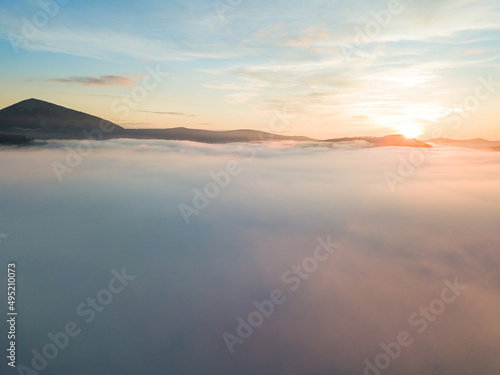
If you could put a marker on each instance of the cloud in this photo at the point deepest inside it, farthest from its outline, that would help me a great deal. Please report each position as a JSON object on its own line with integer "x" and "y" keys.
{"x": 109, "y": 80}
{"x": 86, "y": 94}
{"x": 169, "y": 113}
{"x": 224, "y": 86}
{"x": 312, "y": 35}
{"x": 119, "y": 208}
{"x": 474, "y": 51}
{"x": 104, "y": 42}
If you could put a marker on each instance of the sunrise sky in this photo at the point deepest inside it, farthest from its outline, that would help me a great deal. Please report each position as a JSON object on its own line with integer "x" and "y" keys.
{"x": 337, "y": 68}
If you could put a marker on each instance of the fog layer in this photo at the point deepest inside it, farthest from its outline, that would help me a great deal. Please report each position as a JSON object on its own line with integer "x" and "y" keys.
{"x": 119, "y": 207}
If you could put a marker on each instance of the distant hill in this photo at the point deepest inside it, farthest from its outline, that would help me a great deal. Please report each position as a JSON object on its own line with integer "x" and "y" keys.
{"x": 37, "y": 119}
{"x": 477, "y": 143}
{"x": 385, "y": 141}
{"x": 210, "y": 136}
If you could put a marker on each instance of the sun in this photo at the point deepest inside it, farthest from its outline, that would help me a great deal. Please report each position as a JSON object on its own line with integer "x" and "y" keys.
{"x": 410, "y": 130}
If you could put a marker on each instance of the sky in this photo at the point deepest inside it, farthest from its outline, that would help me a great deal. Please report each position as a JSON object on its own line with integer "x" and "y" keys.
{"x": 119, "y": 209}
{"x": 330, "y": 68}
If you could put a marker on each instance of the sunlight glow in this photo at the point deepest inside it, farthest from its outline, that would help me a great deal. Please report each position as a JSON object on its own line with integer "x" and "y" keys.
{"x": 410, "y": 130}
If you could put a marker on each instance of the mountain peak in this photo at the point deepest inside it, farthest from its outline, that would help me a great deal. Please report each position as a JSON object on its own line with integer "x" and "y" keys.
{"x": 44, "y": 119}
{"x": 33, "y": 103}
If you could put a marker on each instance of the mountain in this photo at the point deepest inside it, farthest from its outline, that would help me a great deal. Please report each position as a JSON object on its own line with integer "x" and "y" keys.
{"x": 385, "y": 141}
{"x": 42, "y": 120}
{"x": 477, "y": 143}
{"x": 37, "y": 119}
{"x": 209, "y": 136}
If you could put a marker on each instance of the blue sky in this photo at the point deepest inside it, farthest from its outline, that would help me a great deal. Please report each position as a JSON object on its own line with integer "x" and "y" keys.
{"x": 233, "y": 66}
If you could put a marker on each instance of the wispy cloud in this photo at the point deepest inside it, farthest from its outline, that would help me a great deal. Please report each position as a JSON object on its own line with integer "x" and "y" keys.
{"x": 97, "y": 81}
{"x": 474, "y": 51}
{"x": 169, "y": 113}
{"x": 86, "y": 94}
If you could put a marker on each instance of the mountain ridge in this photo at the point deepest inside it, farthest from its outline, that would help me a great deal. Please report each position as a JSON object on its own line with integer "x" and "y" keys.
{"x": 41, "y": 120}
{"x": 475, "y": 143}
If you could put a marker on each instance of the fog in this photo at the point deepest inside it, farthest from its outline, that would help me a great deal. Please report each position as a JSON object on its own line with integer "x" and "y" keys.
{"x": 398, "y": 248}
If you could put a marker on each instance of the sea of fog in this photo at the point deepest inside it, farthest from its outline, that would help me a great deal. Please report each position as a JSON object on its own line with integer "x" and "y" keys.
{"x": 159, "y": 257}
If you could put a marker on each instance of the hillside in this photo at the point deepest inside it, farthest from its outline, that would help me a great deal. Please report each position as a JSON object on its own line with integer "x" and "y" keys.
{"x": 43, "y": 120}
{"x": 38, "y": 119}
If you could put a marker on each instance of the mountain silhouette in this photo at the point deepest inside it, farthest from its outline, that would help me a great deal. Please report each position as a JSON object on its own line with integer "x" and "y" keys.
{"x": 385, "y": 141}
{"x": 41, "y": 120}
{"x": 476, "y": 143}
